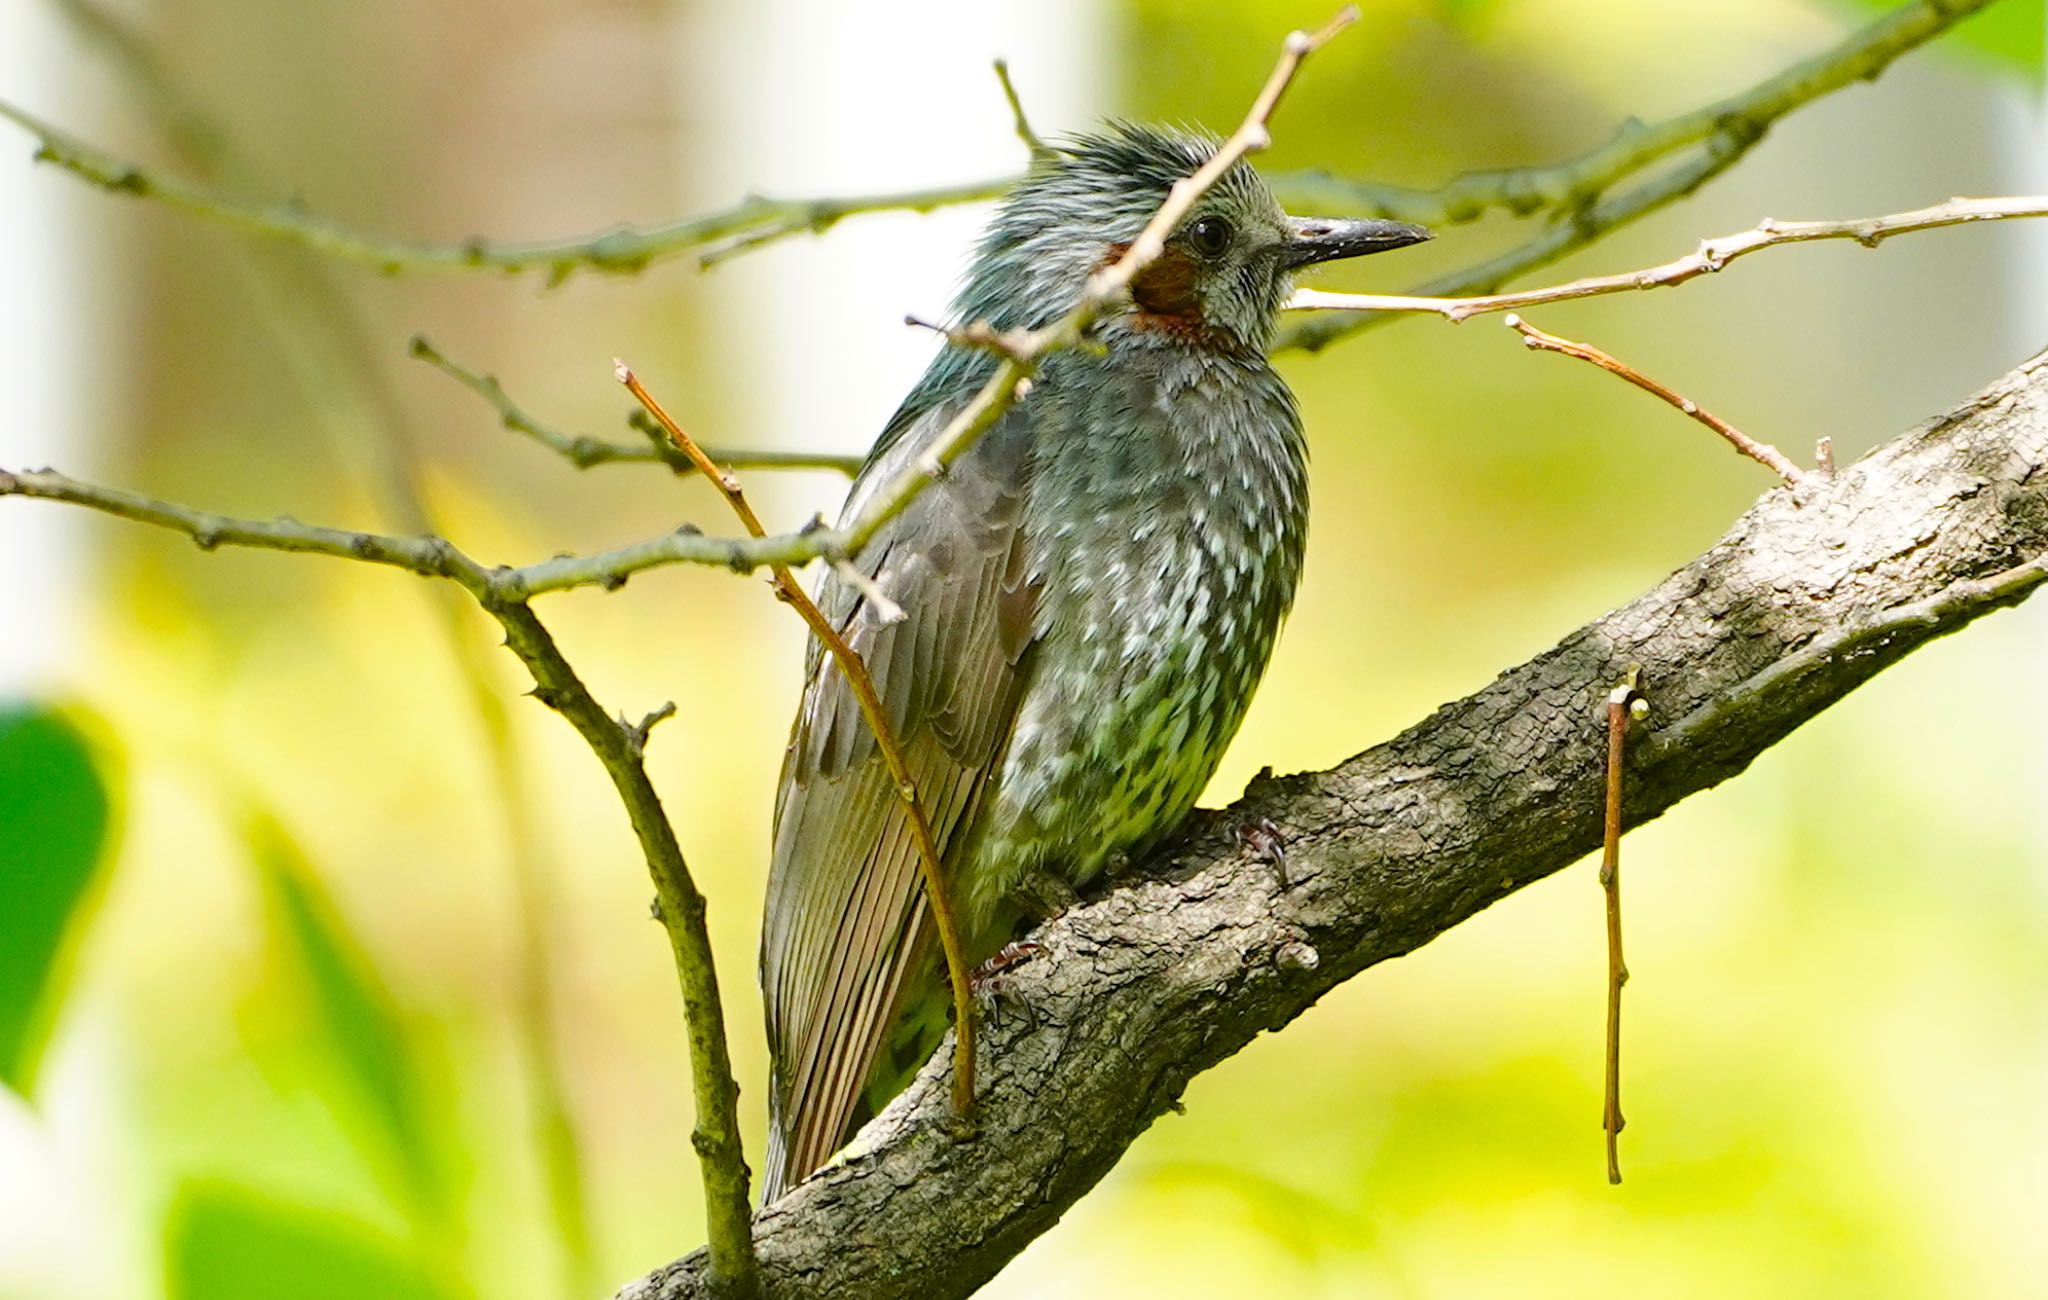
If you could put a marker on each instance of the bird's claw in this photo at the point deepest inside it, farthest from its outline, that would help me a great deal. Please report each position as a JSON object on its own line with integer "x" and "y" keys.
{"x": 990, "y": 981}
{"x": 1268, "y": 843}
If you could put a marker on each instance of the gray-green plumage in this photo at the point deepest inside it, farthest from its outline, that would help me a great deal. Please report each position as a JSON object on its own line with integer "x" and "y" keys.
{"x": 1091, "y": 595}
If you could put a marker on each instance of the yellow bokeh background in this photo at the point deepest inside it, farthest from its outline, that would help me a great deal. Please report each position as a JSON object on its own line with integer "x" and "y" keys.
{"x": 1837, "y": 1041}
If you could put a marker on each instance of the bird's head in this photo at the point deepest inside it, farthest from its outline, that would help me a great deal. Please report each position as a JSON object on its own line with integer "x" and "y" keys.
{"x": 1225, "y": 271}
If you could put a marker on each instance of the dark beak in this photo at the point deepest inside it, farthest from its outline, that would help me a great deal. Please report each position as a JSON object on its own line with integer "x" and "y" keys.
{"x": 1325, "y": 239}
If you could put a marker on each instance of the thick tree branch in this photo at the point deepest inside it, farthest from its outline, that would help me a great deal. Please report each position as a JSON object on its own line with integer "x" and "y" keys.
{"x": 1577, "y": 189}
{"x": 1131, "y": 994}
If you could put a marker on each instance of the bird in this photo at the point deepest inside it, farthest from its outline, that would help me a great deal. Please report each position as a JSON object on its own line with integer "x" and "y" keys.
{"x": 1082, "y": 607}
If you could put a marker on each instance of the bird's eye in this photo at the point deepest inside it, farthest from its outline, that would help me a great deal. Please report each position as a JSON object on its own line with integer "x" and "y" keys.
{"x": 1210, "y": 236}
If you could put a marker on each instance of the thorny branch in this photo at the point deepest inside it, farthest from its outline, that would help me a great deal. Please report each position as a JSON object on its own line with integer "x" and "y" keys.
{"x": 1576, "y": 190}
{"x": 715, "y": 1094}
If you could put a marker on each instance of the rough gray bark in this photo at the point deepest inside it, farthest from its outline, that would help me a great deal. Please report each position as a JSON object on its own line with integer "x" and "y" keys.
{"x": 1188, "y": 959}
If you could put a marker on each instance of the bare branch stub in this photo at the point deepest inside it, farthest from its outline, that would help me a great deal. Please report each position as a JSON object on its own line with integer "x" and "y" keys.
{"x": 1623, "y": 703}
{"x": 1037, "y": 147}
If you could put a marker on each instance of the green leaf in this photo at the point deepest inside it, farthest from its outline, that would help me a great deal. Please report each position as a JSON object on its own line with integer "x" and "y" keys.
{"x": 224, "y": 1242}
{"x": 54, "y": 814}
{"x": 360, "y": 1019}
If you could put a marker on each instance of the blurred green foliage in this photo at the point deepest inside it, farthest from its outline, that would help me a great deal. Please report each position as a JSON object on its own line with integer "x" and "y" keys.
{"x": 385, "y": 1095}
{"x": 54, "y": 816}
{"x": 224, "y": 1242}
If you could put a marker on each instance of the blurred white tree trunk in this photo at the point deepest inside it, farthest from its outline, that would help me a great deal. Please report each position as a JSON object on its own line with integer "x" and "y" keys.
{"x": 793, "y": 97}
{"x": 66, "y": 1184}
{"x": 42, "y": 367}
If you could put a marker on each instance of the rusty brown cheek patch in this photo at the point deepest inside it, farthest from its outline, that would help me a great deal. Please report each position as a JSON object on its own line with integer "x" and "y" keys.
{"x": 1165, "y": 289}
{"x": 1167, "y": 298}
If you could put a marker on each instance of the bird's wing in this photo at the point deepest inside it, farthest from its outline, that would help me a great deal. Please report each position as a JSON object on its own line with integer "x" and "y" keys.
{"x": 846, "y": 914}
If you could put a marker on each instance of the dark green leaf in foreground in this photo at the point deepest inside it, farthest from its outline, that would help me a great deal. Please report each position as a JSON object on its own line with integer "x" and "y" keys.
{"x": 53, "y": 832}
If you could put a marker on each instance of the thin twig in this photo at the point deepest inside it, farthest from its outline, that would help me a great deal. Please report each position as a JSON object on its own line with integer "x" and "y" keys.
{"x": 1623, "y": 702}
{"x": 851, "y": 666}
{"x": 621, "y": 250}
{"x": 1761, "y": 452}
{"x": 503, "y": 594}
{"x": 886, "y": 609}
{"x": 977, "y": 334}
{"x": 618, "y": 746}
{"x": 1725, "y": 131}
{"x": 322, "y": 340}
{"x": 583, "y": 450}
{"x": 425, "y": 554}
{"x": 1026, "y": 351}
{"x": 1712, "y": 255}
{"x": 1040, "y": 150}
{"x": 1023, "y": 350}
{"x": 608, "y": 568}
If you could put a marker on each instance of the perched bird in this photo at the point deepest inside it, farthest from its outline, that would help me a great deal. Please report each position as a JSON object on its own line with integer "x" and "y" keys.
{"x": 1090, "y": 596}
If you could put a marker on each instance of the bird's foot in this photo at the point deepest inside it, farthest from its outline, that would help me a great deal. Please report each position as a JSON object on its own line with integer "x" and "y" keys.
{"x": 990, "y": 981}
{"x": 1266, "y": 842}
